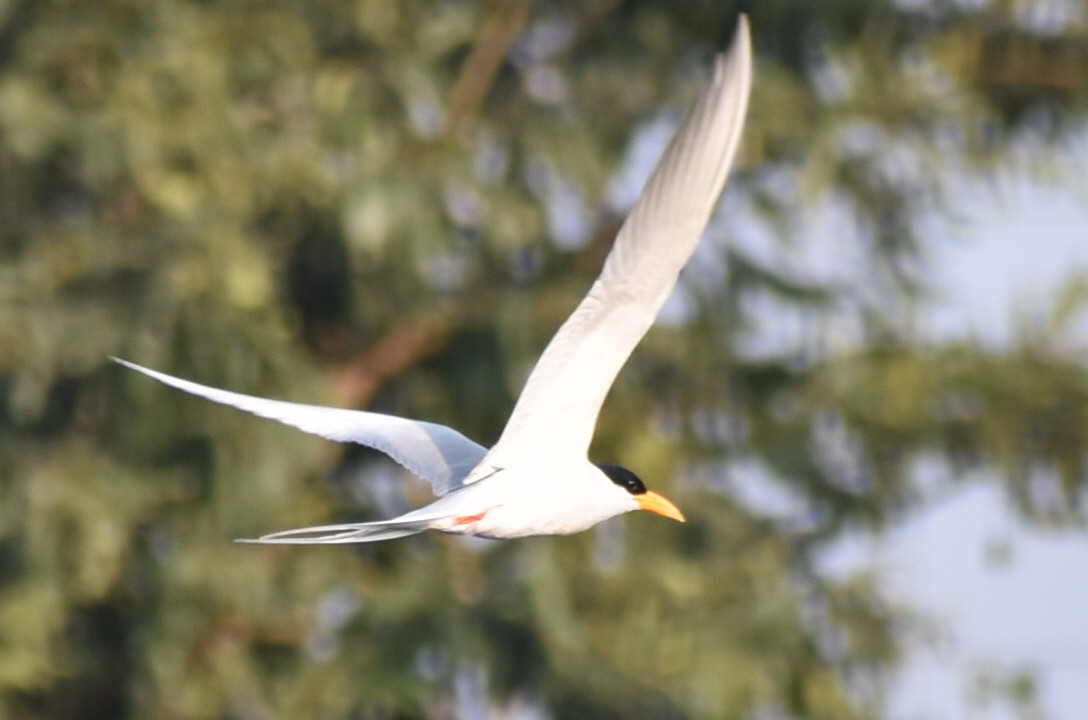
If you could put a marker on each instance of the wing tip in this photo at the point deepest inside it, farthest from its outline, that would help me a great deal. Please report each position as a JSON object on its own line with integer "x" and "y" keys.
{"x": 154, "y": 374}
{"x": 736, "y": 32}
{"x": 736, "y": 56}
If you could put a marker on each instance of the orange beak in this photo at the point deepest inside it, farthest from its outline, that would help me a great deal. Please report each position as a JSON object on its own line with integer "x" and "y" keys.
{"x": 657, "y": 504}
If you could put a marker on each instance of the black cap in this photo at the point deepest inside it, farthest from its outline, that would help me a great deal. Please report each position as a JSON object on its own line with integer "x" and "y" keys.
{"x": 624, "y": 478}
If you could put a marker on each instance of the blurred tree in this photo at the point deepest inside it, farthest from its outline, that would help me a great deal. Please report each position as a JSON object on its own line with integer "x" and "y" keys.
{"x": 399, "y": 201}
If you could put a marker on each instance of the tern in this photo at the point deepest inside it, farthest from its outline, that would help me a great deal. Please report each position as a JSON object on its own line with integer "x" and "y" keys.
{"x": 537, "y": 479}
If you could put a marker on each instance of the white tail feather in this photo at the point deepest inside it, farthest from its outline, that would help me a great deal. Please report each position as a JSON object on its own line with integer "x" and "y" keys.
{"x": 346, "y": 533}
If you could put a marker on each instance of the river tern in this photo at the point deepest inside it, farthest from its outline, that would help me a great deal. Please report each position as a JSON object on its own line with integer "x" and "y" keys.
{"x": 537, "y": 479}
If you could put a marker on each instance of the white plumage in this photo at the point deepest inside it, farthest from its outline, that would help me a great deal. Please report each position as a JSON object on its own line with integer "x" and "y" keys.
{"x": 537, "y": 480}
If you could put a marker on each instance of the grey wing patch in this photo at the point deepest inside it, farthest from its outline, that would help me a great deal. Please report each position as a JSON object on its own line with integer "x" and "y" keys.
{"x": 436, "y": 453}
{"x": 430, "y": 445}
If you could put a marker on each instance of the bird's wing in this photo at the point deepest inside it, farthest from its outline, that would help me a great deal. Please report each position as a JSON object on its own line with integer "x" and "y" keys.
{"x": 558, "y": 408}
{"x": 434, "y": 452}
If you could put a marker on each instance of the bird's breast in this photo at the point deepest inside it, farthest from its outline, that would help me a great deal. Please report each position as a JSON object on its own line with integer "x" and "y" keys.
{"x": 513, "y": 504}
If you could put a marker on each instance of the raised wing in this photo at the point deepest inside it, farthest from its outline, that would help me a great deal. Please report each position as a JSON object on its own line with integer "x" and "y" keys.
{"x": 436, "y": 453}
{"x": 557, "y": 411}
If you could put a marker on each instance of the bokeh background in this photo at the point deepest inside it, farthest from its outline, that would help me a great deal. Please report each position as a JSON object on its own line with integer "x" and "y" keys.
{"x": 392, "y": 204}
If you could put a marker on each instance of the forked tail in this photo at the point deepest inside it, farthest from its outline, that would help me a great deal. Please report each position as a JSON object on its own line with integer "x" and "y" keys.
{"x": 346, "y": 533}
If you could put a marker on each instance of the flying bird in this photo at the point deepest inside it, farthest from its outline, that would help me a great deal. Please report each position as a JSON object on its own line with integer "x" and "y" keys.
{"x": 537, "y": 479}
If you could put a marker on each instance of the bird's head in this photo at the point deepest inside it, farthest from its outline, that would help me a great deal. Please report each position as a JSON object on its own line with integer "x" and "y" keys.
{"x": 636, "y": 490}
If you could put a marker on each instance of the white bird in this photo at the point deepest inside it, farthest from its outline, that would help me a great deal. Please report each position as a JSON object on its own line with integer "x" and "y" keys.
{"x": 537, "y": 480}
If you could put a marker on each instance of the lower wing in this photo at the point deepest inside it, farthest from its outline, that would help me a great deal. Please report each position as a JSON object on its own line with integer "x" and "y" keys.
{"x": 436, "y": 453}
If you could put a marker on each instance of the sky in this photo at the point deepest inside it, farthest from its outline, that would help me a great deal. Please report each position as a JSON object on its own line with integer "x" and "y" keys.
{"x": 998, "y": 599}
{"x": 1003, "y": 598}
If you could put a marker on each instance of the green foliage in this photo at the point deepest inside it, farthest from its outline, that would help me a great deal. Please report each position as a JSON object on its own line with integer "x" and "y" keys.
{"x": 394, "y": 204}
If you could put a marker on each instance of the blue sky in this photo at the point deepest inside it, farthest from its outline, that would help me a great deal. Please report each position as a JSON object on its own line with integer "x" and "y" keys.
{"x": 996, "y": 596}
{"x": 1002, "y": 596}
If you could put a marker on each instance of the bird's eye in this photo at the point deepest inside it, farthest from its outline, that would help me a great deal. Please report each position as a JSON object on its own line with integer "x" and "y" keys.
{"x": 624, "y": 478}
